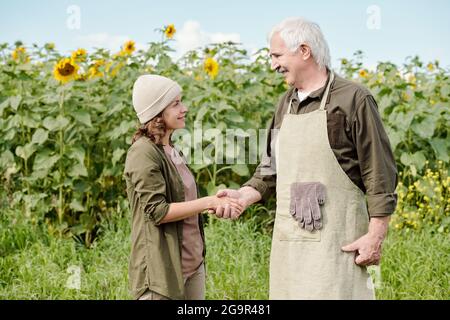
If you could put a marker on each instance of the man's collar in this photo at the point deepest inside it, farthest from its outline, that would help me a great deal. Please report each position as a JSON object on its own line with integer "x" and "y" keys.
{"x": 316, "y": 94}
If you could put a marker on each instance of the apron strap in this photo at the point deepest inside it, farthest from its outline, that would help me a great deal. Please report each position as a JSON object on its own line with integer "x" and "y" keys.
{"x": 323, "y": 102}
{"x": 289, "y": 107}
{"x": 327, "y": 91}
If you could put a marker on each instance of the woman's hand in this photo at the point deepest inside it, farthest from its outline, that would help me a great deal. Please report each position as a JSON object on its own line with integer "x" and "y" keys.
{"x": 233, "y": 205}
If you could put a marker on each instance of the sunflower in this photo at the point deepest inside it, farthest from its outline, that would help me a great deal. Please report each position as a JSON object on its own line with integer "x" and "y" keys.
{"x": 94, "y": 71}
{"x": 211, "y": 67}
{"x": 20, "y": 54}
{"x": 128, "y": 48}
{"x": 113, "y": 68}
{"x": 66, "y": 70}
{"x": 363, "y": 73}
{"x": 170, "y": 31}
{"x": 79, "y": 55}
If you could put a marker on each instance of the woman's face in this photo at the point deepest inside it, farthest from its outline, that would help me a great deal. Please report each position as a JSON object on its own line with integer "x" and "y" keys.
{"x": 174, "y": 114}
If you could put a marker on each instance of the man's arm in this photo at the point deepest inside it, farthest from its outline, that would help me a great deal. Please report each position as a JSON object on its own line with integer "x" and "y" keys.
{"x": 260, "y": 186}
{"x": 376, "y": 159}
{"x": 379, "y": 175}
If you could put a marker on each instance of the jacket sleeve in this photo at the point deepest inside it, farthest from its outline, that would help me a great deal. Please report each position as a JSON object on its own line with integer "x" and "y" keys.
{"x": 265, "y": 177}
{"x": 149, "y": 184}
{"x": 377, "y": 162}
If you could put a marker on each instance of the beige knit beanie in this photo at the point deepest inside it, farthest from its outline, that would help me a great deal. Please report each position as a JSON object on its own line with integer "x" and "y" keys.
{"x": 152, "y": 94}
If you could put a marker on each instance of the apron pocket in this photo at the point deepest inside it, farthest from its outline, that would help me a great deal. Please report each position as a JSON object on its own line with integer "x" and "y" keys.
{"x": 288, "y": 229}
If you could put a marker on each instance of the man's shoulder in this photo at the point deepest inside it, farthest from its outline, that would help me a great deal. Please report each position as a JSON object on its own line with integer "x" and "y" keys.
{"x": 350, "y": 88}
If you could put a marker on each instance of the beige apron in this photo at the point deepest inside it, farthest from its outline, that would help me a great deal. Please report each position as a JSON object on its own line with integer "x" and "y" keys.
{"x": 311, "y": 265}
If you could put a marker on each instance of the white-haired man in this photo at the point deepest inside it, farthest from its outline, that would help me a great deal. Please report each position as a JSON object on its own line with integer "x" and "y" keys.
{"x": 330, "y": 162}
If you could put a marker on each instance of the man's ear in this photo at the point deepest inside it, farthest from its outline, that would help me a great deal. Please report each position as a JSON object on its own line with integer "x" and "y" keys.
{"x": 304, "y": 51}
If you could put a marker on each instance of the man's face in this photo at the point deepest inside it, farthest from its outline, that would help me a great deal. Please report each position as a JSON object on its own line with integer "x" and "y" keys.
{"x": 285, "y": 61}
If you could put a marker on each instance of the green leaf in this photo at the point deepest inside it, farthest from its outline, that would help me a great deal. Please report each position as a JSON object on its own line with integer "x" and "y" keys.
{"x": 234, "y": 117}
{"x": 385, "y": 91}
{"x": 395, "y": 137}
{"x": 233, "y": 185}
{"x": 212, "y": 189}
{"x": 401, "y": 120}
{"x": 77, "y": 206}
{"x": 87, "y": 221}
{"x": 425, "y": 128}
{"x": 3, "y": 106}
{"x": 77, "y": 229}
{"x": 62, "y": 122}
{"x": 25, "y": 151}
{"x": 440, "y": 147}
{"x": 15, "y": 102}
{"x": 114, "y": 110}
{"x": 32, "y": 200}
{"x": 117, "y": 155}
{"x": 78, "y": 170}
{"x": 198, "y": 167}
{"x": 53, "y": 124}
{"x": 240, "y": 169}
{"x": 445, "y": 91}
{"x": 39, "y": 136}
{"x": 50, "y": 123}
{"x": 78, "y": 153}
{"x": 83, "y": 117}
{"x": 419, "y": 95}
{"x": 6, "y": 159}
{"x": 416, "y": 160}
{"x": 44, "y": 160}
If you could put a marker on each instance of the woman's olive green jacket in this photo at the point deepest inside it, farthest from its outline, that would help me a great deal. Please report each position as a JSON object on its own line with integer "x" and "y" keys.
{"x": 153, "y": 183}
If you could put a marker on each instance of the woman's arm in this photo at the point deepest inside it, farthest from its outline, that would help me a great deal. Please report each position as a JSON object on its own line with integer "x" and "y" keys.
{"x": 182, "y": 210}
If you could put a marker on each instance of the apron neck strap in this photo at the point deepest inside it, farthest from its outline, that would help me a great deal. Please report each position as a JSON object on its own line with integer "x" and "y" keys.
{"x": 327, "y": 91}
{"x": 323, "y": 102}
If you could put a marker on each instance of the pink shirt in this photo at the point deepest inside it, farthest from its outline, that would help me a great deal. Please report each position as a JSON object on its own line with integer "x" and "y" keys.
{"x": 192, "y": 247}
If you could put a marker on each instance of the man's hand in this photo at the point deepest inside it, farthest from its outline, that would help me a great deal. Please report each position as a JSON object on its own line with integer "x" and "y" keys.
{"x": 225, "y": 211}
{"x": 368, "y": 247}
{"x": 245, "y": 196}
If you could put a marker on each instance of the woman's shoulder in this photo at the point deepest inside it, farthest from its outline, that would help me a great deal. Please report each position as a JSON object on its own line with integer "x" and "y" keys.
{"x": 143, "y": 149}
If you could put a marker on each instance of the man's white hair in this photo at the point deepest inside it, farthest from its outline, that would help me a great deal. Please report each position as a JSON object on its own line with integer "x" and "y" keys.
{"x": 298, "y": 31}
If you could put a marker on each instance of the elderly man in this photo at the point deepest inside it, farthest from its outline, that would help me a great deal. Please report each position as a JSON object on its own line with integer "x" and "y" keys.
{"x": 330, "y": 162}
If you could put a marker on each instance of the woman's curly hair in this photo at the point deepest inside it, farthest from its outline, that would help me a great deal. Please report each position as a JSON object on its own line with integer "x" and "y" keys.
{"x": 154, "y": 129}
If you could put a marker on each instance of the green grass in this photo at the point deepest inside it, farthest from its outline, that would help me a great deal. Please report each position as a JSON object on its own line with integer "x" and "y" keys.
{"x": 415, "y": 266}
{"x": 34, "y": 265}
{"x": 237, "y": 258}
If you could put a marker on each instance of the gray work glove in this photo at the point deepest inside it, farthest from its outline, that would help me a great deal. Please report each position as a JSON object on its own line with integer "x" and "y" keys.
{"x": 306, "y": 197}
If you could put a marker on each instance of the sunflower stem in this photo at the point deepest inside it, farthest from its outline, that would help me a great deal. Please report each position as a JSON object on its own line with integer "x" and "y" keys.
{"x": 61, "y": 153}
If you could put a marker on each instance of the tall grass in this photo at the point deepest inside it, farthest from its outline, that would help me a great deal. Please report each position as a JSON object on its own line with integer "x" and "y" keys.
{"x": 237, "y": 260}
{"x": 415, "y": 266}
{"x": 34, "y": 265}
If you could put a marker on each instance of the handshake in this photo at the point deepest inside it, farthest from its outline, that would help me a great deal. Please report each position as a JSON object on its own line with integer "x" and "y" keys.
{"x": 229, "y": 203}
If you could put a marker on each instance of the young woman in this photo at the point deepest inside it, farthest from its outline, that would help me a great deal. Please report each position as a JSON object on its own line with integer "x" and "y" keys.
{"x": 167, "y": 239}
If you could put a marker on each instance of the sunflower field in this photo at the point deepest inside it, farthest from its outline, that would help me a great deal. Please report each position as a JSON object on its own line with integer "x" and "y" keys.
{"x": 66, "y": 122}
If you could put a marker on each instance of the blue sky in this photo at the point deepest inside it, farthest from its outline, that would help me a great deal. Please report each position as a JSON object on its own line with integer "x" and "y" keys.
{"x": 384, "y": 30}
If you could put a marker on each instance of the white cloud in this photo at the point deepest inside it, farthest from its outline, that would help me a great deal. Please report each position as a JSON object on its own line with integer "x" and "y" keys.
{"x": 104, "y": 40}
{"x": 191, "y": 36}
